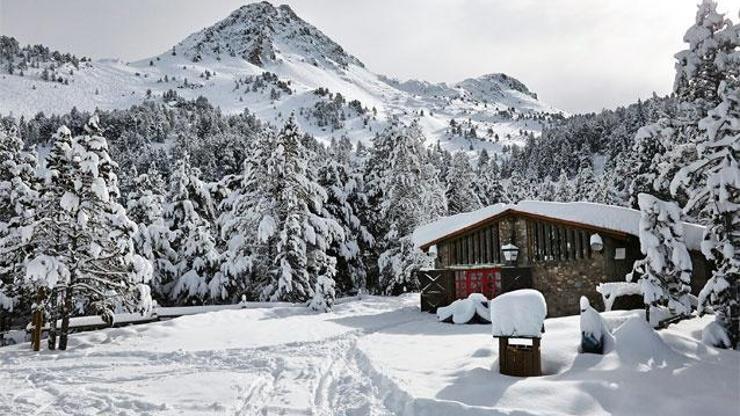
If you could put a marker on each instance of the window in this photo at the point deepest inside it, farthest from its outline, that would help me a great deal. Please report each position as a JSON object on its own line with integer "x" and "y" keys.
{"x": 550, "y": 242}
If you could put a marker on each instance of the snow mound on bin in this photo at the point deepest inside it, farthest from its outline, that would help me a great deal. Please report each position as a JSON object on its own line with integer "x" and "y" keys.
{"x": 463, "y": 311}
{"x": 520, "y": 313}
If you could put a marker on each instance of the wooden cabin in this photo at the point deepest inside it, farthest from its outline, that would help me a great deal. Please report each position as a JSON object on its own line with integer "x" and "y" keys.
{"x": 564, "y": 250}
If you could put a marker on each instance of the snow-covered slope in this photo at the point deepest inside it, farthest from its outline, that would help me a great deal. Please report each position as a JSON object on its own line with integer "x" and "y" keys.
{"x": 376, "y": 356}
{"x": 269, "y": 60}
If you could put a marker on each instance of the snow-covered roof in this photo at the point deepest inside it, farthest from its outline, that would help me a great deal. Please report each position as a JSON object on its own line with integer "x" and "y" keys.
{"x": 520, "y": 313}
{"x": 606, "y": 217}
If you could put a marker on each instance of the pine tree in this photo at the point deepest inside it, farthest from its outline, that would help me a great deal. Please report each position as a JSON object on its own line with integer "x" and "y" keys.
{"x": 403, "y": 192}
{"x": 461, "y": 194}
{"x": 83, "y": 247}
{"x": 563, "y": 189}
{"x": 153, "y": 238}
{"x": 584, "y": 184}
{"x": 303, "y": 235}
{"x": 186, "y": 215}
{"x": 247, "y": 222}
{"x": 665, "y": 272}
{"x": 18, "y": 198}
{"x": 701, "y": 68}
{"x": 651, "y": 142}
{"x": 713, "y": 184}
{"x": 487, "y": 183}
{"x": 344, "y": 200}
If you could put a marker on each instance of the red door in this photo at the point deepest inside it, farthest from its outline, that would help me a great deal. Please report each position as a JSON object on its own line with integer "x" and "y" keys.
{"x": 485, "y": 281}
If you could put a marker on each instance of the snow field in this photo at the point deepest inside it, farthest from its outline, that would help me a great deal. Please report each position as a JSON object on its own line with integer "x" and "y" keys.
{"x": 375, "y": 356}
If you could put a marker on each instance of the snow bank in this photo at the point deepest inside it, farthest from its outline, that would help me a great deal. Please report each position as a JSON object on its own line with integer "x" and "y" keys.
{"x": 518, "y": 313}
{"x": 638, "y": 343}
{"x": 621, "y": 219}
{"x": 463, "y": 311}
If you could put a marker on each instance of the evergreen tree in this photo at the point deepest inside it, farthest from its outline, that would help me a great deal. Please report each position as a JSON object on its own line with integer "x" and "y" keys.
{"x": 403, "y": 192}
{"x": 712, "y": 184}
{"x": 302, "y": 235}
{"x": 153, "y": 238}
{"x": 82, "y": 238}
{"x": 704, "y": 65}
{"x": 18, "y": 199}
{"x": 344, "y": 200}
{"x": 196, "y": 258}
{"x": 461, "y": 193}
{"x": 563, "y": 189}
{"x": 488, "y": 180}
{"x": 665, "y": 272}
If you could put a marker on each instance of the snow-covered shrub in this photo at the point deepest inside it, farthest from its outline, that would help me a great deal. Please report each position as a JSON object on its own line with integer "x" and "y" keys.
{"x": 463, "y": 311}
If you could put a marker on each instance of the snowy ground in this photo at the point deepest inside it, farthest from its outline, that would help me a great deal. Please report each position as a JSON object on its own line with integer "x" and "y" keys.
{"x": 378, "y": 356}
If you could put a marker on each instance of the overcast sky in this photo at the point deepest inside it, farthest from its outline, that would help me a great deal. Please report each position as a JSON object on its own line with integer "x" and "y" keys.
{"x": 579, "y": 55}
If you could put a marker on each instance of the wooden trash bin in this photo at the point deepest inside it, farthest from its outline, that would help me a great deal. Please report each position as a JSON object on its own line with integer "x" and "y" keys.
{"x": 519, "y": 357}
{"x": 517, "y": 320}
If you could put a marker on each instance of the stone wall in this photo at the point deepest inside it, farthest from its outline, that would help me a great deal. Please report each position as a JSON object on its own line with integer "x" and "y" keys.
{"x": 563, "y": 283}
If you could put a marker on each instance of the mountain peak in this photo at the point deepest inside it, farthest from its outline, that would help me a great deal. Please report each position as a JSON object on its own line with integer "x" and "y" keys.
{"x": 494, "y": 85}
{"x": 261, "y": 34}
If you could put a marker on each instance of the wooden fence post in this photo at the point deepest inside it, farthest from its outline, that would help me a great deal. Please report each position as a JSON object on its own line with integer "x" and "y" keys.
{"x": 38, "y": 321}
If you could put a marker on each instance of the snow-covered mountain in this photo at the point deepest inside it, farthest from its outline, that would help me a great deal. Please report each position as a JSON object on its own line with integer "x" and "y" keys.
{"x": 269, "y": 60}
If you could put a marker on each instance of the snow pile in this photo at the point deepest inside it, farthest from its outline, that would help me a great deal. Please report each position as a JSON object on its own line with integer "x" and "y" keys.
{"x": 463, "y": 311}
{"x": 636, "y": 342}
{"x": 620, "y": 219}
{"x": 520, "y": 313}
{"x": 610, "y": 291}
{"x": 715, "y": 335}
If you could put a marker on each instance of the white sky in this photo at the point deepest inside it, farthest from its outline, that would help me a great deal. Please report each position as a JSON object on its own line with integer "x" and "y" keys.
{"x": 579, "y": 55}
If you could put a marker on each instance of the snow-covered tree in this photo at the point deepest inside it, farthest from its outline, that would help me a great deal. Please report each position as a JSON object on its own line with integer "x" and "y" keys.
{"x": 247, "y": 222}
{"x": 302, "y": 235}
{"x": 584, "y": 184}
{"x": 488, "y": 182}
{"x": 461, "y": 193}
{"x": 82, "y": 238}
{"x": 275, "y": 225}
{"x": 665, "y": 272}
{"x": 153, "y": 237}
{"x": 563, "y": 189}
{"x": 704, "y": 65}
{"x": 197, "y": 260}
{"x": 403, "y": 192}
{"x": 650, "y": 143}
{"x": 344, "y": 200}
{"x": 18, "y": 198}
{"x": 713, "y": 185}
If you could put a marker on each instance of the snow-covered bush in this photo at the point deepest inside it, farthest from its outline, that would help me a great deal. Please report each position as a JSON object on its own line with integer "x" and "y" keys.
{"x": 463, "y": 311}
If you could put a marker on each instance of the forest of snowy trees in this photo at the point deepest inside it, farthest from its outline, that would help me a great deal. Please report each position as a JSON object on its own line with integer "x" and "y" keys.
{"x": 174, "y": 202}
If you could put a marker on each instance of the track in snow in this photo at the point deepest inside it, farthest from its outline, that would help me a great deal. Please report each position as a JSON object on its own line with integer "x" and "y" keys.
{"x": 318, "y": 377}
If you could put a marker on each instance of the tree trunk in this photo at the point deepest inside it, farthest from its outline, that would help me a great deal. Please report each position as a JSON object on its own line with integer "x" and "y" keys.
{"x": 66, "y": 308}
{"x": 53, "y": 320}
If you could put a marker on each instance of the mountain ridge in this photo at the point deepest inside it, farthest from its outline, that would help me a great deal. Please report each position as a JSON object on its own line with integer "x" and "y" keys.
{"x": 269, "y": 60}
